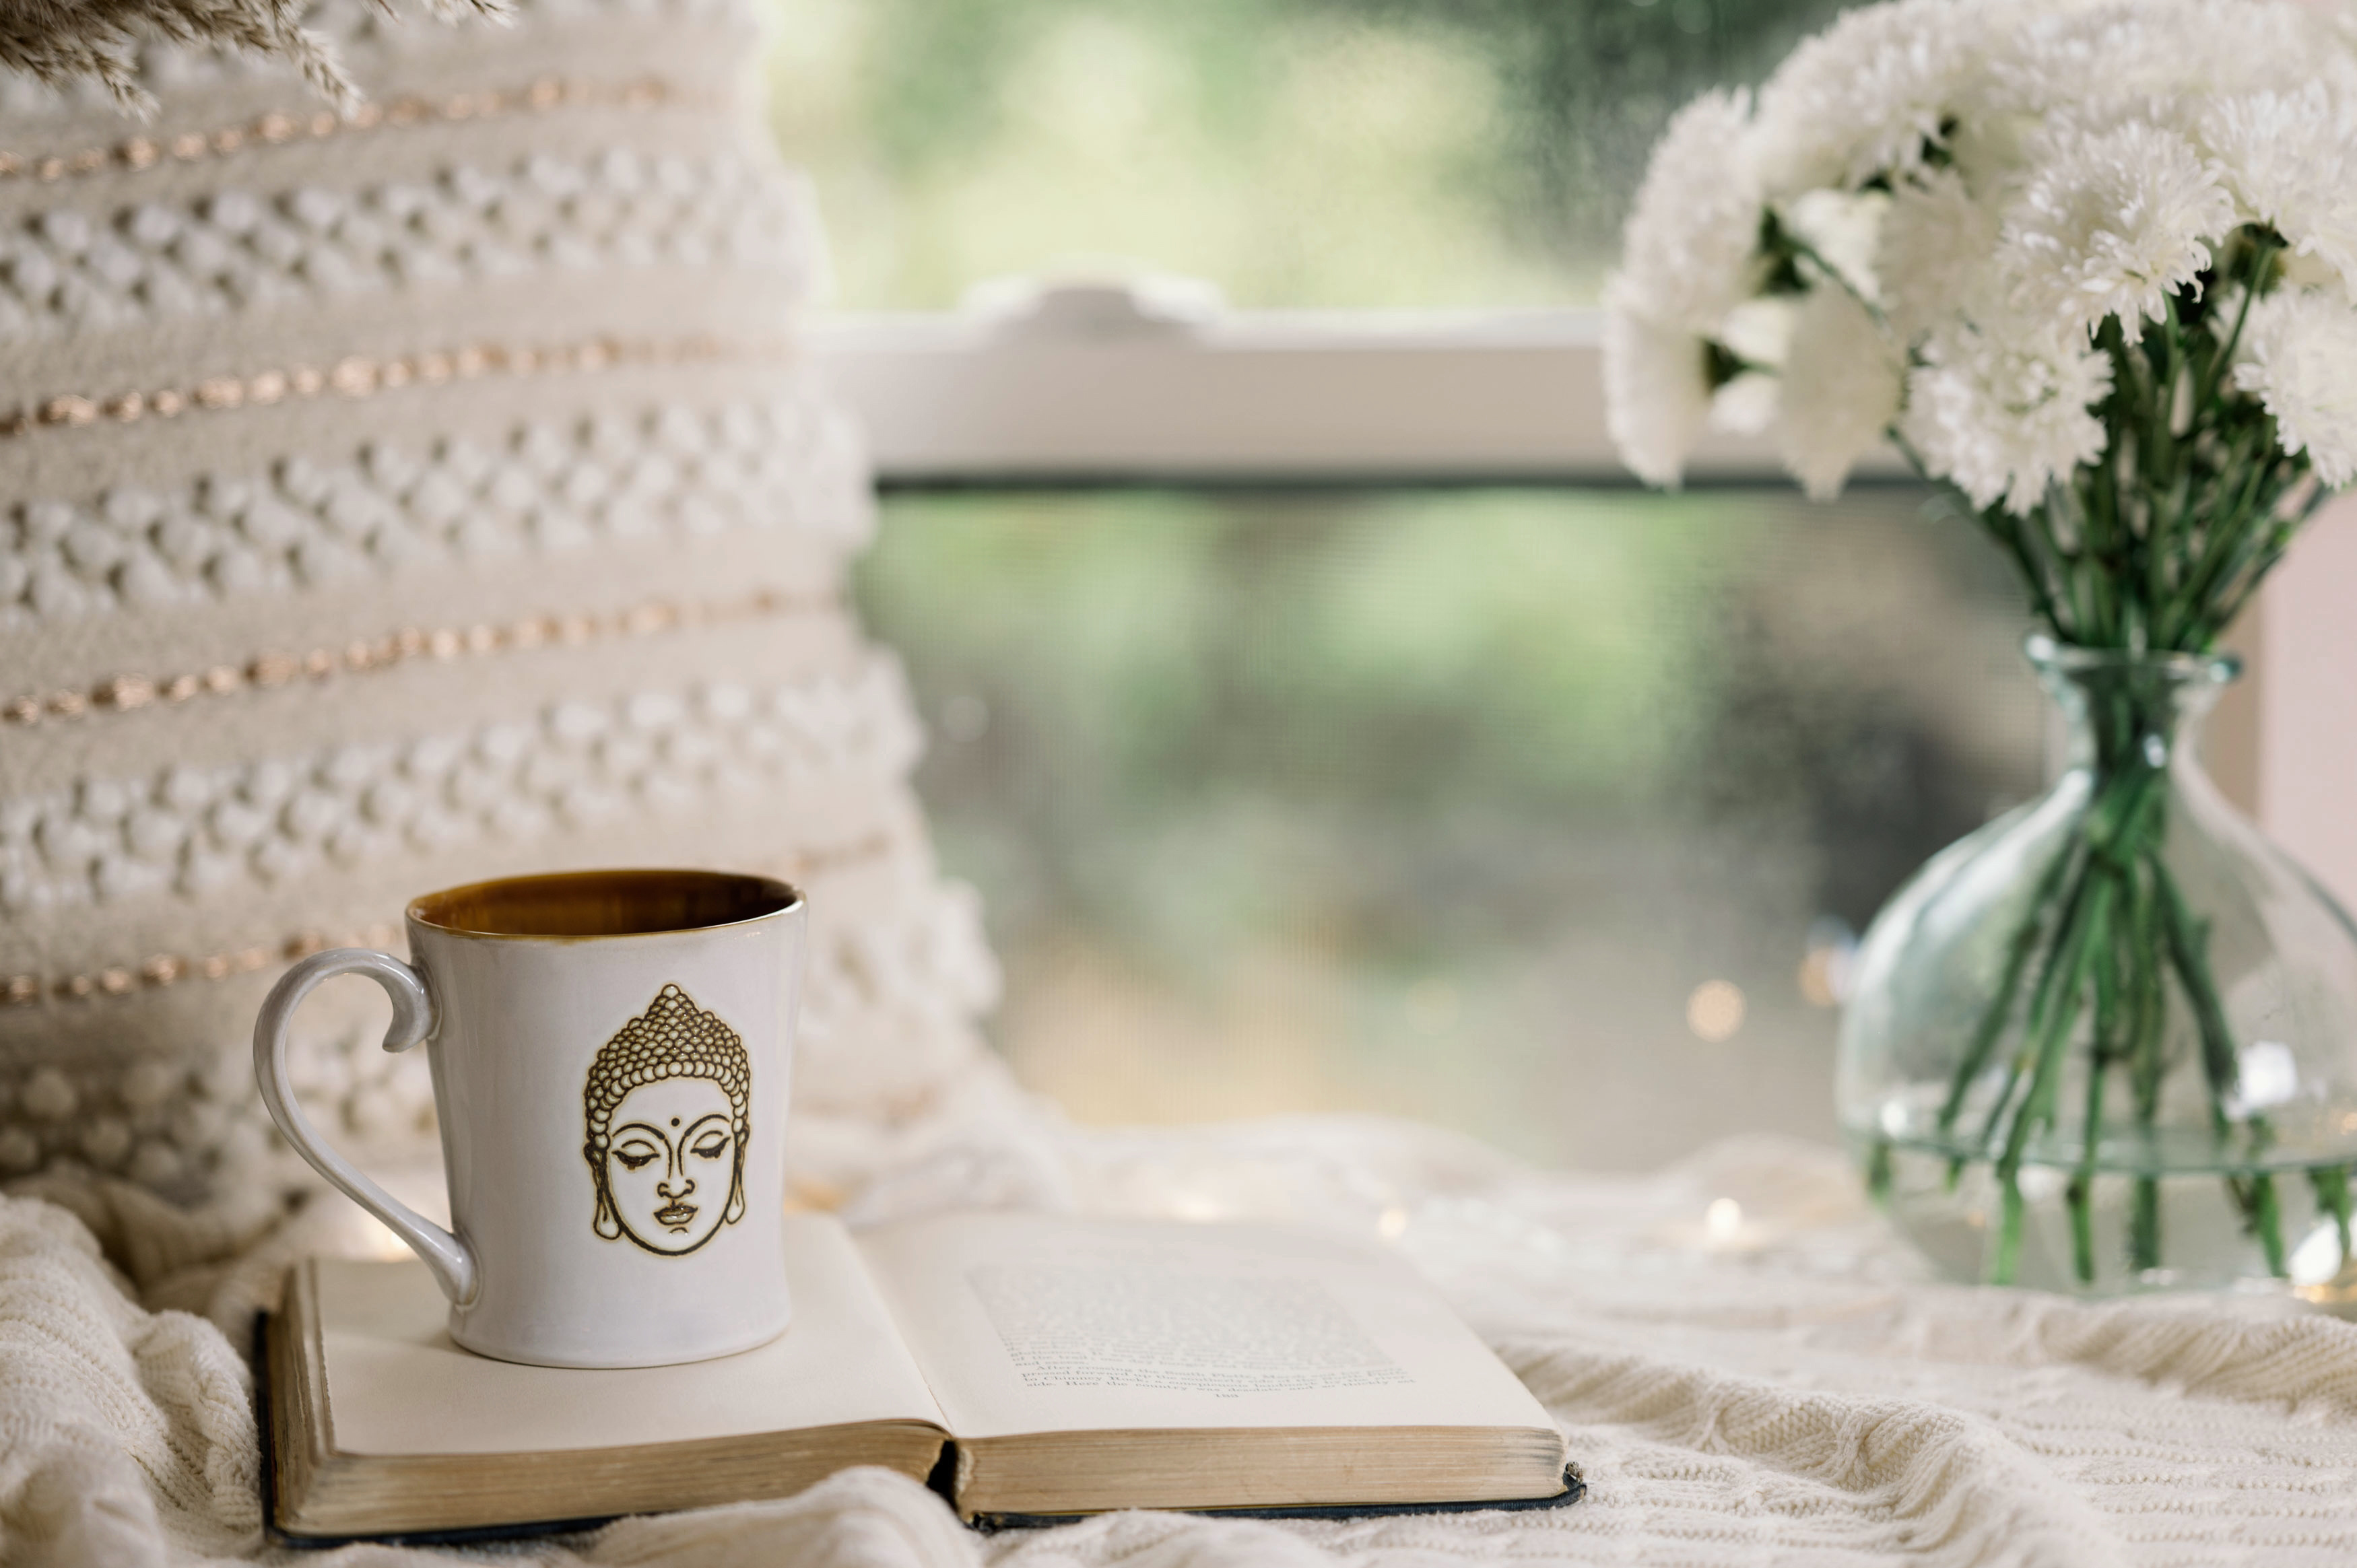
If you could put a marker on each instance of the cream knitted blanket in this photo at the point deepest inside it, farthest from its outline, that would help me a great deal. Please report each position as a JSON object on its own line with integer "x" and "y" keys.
{"x": 1789, "y": 1390}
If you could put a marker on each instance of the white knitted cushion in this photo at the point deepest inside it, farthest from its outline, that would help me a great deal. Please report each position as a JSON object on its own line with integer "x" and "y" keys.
{"x": 400, "y": 500}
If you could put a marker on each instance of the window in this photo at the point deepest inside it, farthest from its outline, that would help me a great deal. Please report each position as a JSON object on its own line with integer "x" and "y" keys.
{"x": 1326, "y": 723}
{"x": 1509, "y": 808}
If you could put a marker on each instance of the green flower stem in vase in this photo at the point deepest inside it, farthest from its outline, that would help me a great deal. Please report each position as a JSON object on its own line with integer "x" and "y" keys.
{"x": 2044, "y": 1017}
{"x": 2107, "y": 936}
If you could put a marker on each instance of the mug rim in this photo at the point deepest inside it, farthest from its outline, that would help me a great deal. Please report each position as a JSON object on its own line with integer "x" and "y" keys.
{"x": 430, "y": 911}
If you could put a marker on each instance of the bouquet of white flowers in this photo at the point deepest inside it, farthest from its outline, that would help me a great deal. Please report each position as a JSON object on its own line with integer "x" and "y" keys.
{"x": 2069, "y": 257}
{"x": 2091, "y": 267}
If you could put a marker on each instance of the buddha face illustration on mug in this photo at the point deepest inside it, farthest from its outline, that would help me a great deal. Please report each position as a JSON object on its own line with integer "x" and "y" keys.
{"x": 667, "y": 1107}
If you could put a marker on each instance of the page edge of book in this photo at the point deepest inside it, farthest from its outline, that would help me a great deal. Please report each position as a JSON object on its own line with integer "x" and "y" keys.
{"x": 969, "y": 1454}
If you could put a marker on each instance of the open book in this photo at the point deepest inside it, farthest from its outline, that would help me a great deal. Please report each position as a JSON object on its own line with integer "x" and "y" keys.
{"x": 1060, "y": 1365}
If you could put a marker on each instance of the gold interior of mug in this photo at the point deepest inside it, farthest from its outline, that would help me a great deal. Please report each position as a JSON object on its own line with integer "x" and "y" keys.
{"x": 603, "y": 903}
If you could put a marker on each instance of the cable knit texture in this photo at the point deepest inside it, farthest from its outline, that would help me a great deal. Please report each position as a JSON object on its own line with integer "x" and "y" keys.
{"x": 1795, "y": 1393}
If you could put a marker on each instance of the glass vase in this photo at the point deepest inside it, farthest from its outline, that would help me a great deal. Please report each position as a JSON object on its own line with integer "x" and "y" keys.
{"x": 2108, "y": 1042}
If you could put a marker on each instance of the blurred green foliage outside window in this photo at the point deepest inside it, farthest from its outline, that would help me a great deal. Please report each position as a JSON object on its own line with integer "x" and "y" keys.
{"x": 1422, "y": 153}
{"x": 1546, "y": 814}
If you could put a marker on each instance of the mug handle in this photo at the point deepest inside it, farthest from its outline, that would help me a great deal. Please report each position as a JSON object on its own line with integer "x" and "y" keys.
{"x": 452, "y": 1263}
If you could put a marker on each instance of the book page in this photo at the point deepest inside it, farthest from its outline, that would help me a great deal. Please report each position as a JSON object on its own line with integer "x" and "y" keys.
{"x": 397, "y": 1385}
{"x": 1036, "y": 1323}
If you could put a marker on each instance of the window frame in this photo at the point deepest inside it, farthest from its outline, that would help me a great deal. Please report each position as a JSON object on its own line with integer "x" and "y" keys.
{"x": 1115, "y": 392}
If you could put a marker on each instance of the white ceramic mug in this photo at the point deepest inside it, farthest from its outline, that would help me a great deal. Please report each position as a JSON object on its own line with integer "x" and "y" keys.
{"x": 609, "y": 1052}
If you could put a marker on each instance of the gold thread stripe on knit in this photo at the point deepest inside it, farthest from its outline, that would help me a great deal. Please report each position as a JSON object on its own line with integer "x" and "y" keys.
{"x": 278, "y": 129}
{"x": 357, "y": 376}
{"x": 124, "y": 693}
{"x": 162, "y": 970}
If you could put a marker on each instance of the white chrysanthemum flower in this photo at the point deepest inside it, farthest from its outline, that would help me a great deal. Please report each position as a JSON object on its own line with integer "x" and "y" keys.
{"x": 2298, "y": 358}
{"x": 1936, "y": 243}
{"x": 1691, "y": 252}
{"x": 1840, "y": 390}
{"x": 1656, "y": 390}
{"x": 1746, "y": 405}
{"x": 2112, "y": 225}
{"x": 1845, "y": 230}
{"x": 2290, "y": 160}
{"x": 2080, "y": 57}
{"x": 2308, "y": 272}
{"x": 1863, "y": 97}
{"x": 2003, "y": 418}
{"x": 1759, "y": 331}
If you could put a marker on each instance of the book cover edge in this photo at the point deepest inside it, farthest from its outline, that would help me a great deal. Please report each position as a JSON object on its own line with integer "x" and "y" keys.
{"x": 1575, "y": 1487}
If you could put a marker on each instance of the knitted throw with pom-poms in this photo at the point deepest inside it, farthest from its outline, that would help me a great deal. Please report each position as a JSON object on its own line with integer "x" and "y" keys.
{"x": 404, "y": 495}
